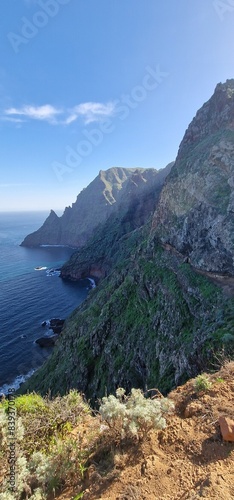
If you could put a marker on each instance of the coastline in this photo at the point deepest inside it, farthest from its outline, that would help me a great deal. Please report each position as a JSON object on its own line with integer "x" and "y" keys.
{"x": 22, "y": 378}
{"x": 17, "y": 382}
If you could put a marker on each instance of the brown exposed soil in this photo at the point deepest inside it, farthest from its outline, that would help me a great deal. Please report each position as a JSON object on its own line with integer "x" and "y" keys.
{"x": 186, "y": 461}
{"x": 225, "y": 282}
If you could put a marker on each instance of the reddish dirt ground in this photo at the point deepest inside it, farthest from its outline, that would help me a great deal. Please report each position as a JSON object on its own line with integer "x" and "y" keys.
{"x": 186, "y": 461}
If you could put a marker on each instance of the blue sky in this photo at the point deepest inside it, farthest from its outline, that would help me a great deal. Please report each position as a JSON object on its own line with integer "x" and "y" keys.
{"x": 90, "y": 84}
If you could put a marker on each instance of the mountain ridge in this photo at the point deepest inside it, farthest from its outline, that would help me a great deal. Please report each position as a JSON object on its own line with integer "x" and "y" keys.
{"x": 195, "y": 213}
{"x": 155, "y": 320}
{"x": 93, "y": 206}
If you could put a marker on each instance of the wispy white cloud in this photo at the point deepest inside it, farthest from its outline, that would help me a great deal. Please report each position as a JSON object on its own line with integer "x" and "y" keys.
{"x": 94, "y": 111}
{"x": 46, "y": 112}
{"x": 88, "y": 111}
{"x": 11, "y": 119}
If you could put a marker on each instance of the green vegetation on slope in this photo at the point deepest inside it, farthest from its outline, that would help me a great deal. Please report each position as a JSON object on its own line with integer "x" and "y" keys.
{"x": 55, "y": 440}
{"x": 153, "y": 322}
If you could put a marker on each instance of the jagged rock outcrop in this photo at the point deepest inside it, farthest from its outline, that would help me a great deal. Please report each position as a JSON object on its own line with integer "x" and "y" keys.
{"x": 196, "y": 209}
{"x": 136, "y": 204}
{"x": 93, "y": 206}
{"x": 48, "y": 234}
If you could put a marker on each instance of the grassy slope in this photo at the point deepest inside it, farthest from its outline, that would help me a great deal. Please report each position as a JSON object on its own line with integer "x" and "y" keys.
{"x": 152, "y": 322}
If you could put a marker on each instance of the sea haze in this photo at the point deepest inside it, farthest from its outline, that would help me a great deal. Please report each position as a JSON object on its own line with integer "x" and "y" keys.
{"x": 28, "y": 297}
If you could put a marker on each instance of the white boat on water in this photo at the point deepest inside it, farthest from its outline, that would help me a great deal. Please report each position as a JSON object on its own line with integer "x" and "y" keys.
{"x": 40, "y": 268}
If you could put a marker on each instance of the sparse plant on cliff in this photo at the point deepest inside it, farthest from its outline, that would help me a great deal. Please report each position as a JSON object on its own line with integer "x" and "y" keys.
{"x": 134, "y": 415}
{"x": 202, "y": 383}
{"x": 49, "y": 456}
{"x": 53, "y": 418}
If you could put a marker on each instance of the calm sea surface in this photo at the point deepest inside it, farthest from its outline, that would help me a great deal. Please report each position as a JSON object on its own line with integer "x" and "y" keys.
{"x": 28, "y": 297}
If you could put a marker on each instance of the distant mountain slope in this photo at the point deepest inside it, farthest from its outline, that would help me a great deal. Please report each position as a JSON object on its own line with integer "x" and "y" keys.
{"x": 196, "y": 209}
{"x": 135, "y": 207}
{"x": 93, "y": 206}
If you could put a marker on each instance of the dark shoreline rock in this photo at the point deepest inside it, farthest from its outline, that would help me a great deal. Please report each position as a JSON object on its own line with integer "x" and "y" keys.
{"x": 55, "y": 324}
{"x": 47, "y": 341}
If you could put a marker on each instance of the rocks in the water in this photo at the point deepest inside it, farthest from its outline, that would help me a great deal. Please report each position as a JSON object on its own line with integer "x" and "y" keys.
{"x": 55, "y": 324}
{"x": 47, "y": 341}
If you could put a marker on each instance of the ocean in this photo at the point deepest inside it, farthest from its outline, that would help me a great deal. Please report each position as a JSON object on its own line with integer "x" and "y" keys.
{"x": 28, "y": 296}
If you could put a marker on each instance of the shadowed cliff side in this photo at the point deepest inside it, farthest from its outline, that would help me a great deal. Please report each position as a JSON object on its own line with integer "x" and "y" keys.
{"x": 196, "y": 209}
{"x": 136, "y": 205}
{"x": 93, "y": 206}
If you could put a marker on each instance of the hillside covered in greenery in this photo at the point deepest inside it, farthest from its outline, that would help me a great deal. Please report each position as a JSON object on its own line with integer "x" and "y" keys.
{"x": 164, "y": 262}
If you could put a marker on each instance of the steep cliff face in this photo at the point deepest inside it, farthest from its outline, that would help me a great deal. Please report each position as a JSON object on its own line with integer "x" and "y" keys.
{"x": 51, "y": 231}
{"x": 156, "y": 320}
{"x": 196, "y": 209}
{"x": 153, "y": 322}
{"x": 136, "y": 204}
{"x": 93, "y": 206}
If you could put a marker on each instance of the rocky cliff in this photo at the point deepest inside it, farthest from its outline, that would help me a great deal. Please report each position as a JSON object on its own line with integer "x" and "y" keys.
{"x": 135, "y": 207}
{"x": 163, "y": 311}
{"x": 103, "y": 196}
{"x": 196, "y": 209}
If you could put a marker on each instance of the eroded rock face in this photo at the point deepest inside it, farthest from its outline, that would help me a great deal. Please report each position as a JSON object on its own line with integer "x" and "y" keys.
{"x": 135, "y": 205}
{"x": 195, "y": 213}
{"x": 103, "y": 196}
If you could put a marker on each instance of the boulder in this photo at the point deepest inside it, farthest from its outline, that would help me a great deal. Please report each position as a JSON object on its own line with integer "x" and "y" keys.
{"x": 56, "y": 329}
{"x": 56, "y": 325}
{"x": 54, "y": 322}
{"x": 47, "y": 341}
{"x": 227, "y": 428}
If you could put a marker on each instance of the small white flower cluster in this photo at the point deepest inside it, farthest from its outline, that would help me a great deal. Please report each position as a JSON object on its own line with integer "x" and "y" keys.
{"x": 134, "y": 415}
{"x": 21, "y": 466}
{"x": 22, "y": 478}
{"x": 3, "y": 428}
{"x": 40, "y": 466}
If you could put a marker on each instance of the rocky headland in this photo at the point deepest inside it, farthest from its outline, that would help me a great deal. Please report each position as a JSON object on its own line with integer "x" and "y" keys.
{"x": 161, "y": 312}
{"x": 106, "y": 195}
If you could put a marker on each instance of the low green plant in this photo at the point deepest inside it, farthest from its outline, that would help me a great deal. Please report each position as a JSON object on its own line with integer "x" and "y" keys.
{"x": 202, "y": 383}
{"x": 47, "y": 456}
{"x": 29, "y": 403}
{"x": 134, "y": 415}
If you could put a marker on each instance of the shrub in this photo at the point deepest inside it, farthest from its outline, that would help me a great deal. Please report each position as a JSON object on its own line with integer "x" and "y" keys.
{"x": 202, "y": 383}
{"x": 219, "y": 380}
{"x": 29, "y": 403}
{"x": 134, "y": 415}
{"x": 53, "y": 418}
{"x": 64, "y": 464}
{"x": 47, "y": 457}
